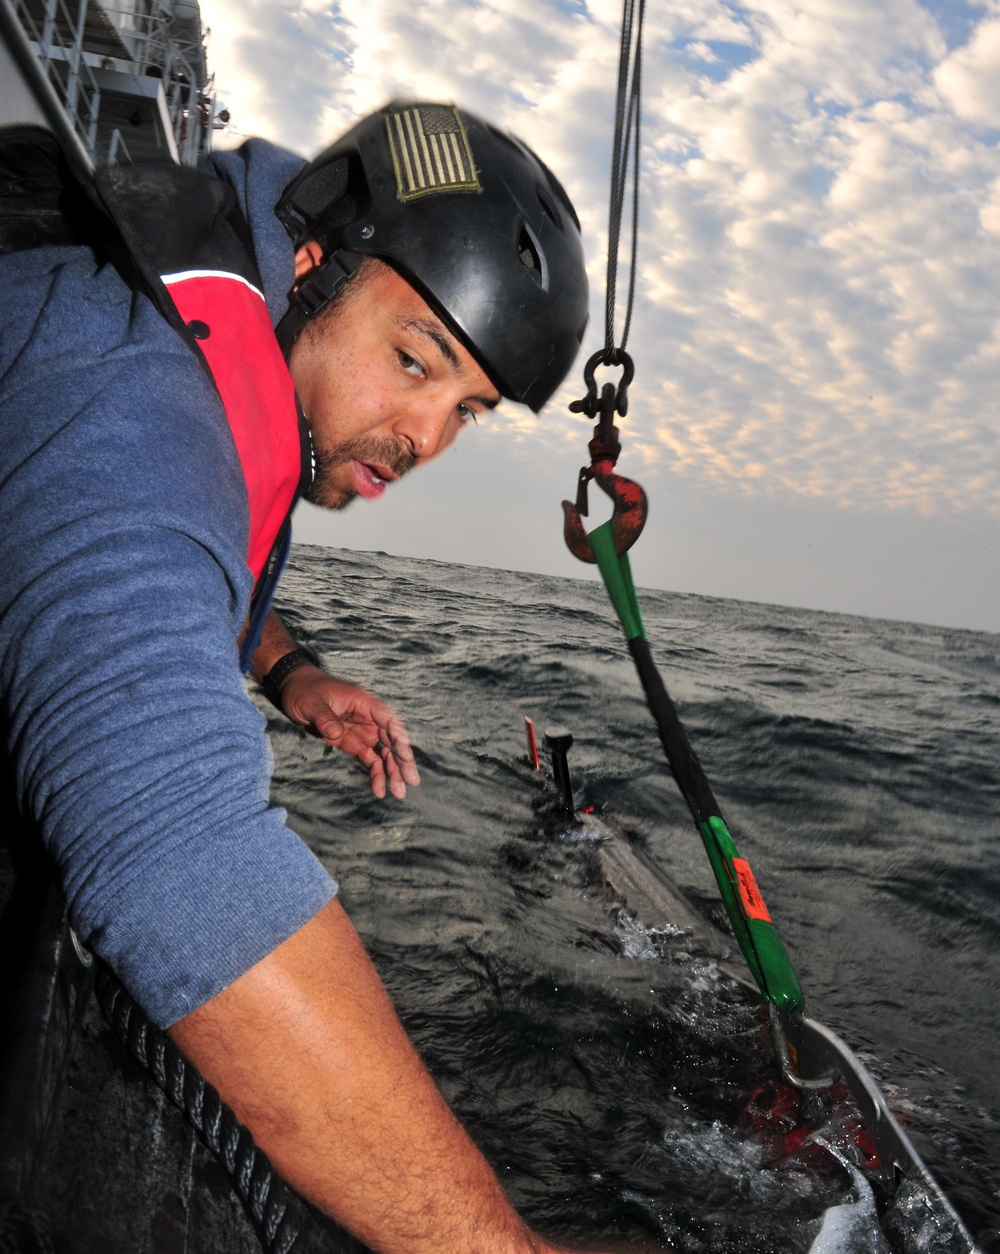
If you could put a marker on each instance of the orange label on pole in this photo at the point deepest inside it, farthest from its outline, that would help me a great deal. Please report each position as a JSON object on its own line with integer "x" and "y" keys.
{"x": 750, "y": 895}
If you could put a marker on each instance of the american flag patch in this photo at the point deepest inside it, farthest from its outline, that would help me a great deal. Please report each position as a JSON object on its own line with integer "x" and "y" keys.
{"x": 430, "y": 152}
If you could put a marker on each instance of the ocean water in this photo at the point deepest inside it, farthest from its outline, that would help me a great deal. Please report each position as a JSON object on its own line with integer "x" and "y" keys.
{"x": 606, "y": 1068}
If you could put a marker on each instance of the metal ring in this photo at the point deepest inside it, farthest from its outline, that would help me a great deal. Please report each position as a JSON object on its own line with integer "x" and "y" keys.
{"x": 617, "y": 357}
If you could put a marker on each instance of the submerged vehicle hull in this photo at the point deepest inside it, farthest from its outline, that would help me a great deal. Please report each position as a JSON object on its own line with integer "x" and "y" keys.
{"x": 809, "y": 1054}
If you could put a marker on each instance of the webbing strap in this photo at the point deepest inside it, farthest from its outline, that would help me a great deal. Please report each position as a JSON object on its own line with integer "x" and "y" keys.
{"x": 263, "y": 595}
{"x": 617, "y": 575}
{"x": 748, "y": 914}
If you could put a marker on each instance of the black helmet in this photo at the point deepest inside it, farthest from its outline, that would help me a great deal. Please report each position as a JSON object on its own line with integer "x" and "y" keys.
{"x": 469, "y": 216}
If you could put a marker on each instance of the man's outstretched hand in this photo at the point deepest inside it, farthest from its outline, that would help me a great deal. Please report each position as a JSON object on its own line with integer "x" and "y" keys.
{"x": 340, "y": 714}
{"x": 350, "y": 719}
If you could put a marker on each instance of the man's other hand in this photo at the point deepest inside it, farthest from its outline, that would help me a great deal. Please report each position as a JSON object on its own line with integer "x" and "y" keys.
{"x": 351, "y": 719}
{"x": 307, "y": 1050}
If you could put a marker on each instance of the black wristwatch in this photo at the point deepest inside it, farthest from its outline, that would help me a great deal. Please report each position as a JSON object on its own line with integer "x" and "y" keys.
{"x": 279, "y": 672}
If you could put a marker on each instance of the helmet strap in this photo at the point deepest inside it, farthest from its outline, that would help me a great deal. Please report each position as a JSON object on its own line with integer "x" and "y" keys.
{"x": 310, "y": 297}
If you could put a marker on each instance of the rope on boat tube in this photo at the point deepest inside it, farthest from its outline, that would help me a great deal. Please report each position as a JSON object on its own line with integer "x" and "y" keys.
{"x": 278, "y": 1212}
{"x": 23, "y": 1230}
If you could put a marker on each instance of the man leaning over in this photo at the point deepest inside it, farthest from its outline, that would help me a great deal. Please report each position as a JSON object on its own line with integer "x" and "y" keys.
{"x": 155, "y": 442}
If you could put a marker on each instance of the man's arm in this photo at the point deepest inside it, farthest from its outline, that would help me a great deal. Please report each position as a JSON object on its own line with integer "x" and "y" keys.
{"x": 275, "y": 641}
{"x": 307, "y": 1050}
{"x": 340, "y": 713}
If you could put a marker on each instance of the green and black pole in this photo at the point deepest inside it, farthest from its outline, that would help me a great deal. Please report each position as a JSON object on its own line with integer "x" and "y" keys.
{"x": 608, "y": 545}
{"x": 745, "y": 905}
{"x": 810, "y": 1055}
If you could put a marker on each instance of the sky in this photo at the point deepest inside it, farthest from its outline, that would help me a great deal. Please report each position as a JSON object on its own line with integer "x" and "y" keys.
{"x": 815, "y": 415}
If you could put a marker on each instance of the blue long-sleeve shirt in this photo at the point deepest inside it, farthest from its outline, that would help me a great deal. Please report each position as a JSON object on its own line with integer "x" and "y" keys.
{"x": 123, "y": 588}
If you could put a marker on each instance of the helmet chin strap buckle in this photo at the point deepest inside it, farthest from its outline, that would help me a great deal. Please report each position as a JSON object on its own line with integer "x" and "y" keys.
{"x": 313, "y": 294}
{"x": 323, "y": 284}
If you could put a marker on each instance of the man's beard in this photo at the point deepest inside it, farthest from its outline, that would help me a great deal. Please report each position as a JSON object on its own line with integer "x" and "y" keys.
{"x": 370, "y": 451}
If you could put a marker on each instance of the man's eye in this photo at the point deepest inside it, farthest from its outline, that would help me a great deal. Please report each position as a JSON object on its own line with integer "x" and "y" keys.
{"x": 466, "y": 414}
{"x": 409, "y": 364}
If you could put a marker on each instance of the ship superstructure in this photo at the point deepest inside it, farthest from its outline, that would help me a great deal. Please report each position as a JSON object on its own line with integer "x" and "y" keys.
{"x": 130, "y": 78}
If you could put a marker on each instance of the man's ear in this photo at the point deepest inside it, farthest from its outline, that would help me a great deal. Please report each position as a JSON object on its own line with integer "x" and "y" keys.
{"x": 307, "y": 258}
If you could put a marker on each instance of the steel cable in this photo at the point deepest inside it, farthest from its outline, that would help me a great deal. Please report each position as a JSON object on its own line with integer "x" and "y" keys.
{"x": 626, "y": 141}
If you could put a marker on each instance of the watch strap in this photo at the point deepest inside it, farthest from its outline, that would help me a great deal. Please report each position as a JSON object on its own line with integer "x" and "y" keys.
{"x": 303, "y": 655}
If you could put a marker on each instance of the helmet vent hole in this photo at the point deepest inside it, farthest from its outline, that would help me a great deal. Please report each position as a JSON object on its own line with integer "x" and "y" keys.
{"x": 550, "y": 213}
{"x": 528, "y": 254}
{"x": 322, "y": 188}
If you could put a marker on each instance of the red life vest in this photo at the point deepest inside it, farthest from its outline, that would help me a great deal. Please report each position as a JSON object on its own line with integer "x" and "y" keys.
{"x": 229, "y": 319}
{"x": 187, "y": 247}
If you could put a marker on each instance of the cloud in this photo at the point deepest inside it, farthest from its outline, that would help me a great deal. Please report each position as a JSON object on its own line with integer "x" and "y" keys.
{"x": 819, "y": 300}
{"x": 278, "y": 68}
{"x": 969, "y": 79}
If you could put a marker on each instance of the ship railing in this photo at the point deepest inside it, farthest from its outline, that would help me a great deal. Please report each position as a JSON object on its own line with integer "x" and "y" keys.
{"x": 135, "y": 39}
{"x": 63, "y": 60}
{"x": 118, "y": 153}
{"x": 181, "y": 66}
